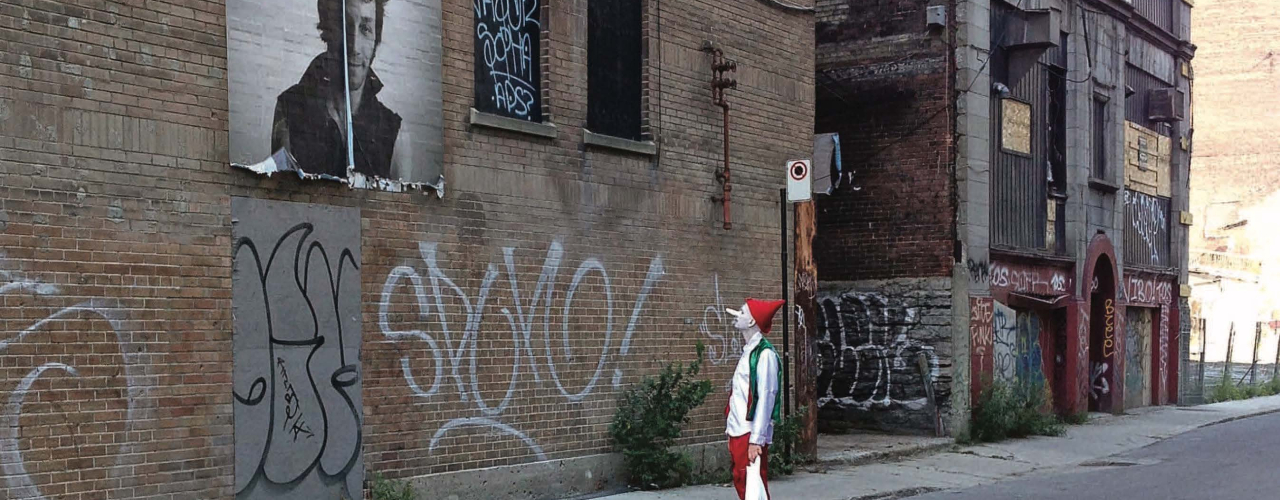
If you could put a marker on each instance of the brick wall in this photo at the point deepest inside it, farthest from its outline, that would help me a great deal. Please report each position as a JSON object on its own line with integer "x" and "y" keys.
{"x": 116, "y": 248}
{"x": 882, "y": 85}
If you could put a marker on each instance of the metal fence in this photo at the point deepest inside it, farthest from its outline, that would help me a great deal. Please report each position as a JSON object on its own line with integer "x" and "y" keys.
{"x": 1200, "y": 380}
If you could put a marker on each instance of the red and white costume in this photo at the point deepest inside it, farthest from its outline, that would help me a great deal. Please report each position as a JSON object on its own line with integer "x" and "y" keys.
{"x": 751, "y": 477}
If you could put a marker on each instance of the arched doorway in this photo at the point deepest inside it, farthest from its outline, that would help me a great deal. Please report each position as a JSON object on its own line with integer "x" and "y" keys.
{"x": 1104, "y": 337}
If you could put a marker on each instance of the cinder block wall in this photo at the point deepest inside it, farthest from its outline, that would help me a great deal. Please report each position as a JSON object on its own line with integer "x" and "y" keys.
{"x": 116, "y": 249}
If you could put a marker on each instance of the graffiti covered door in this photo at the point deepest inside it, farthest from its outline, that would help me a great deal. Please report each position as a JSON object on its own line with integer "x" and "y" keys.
{"x": 1137, "y": 357}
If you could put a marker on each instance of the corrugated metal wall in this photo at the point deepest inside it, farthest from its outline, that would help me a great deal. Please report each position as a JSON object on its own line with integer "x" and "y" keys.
{"x": 1019, "y": 183}
{"x": 1146, "y": 238}
{"x": 1135, "y": 107}
{"x": 1159, "y": 12}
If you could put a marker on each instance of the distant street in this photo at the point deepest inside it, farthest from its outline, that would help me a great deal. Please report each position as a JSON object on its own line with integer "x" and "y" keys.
{"x": 1234, "y": 460}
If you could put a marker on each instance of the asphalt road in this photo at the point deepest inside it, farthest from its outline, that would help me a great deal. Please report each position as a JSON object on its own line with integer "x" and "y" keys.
{"x": 1237, "y": 460}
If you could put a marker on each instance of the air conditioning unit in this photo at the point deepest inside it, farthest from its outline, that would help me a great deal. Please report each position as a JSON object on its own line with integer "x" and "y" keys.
{"x": 1033, "y": 29}
{"x": 1166, "y": 105}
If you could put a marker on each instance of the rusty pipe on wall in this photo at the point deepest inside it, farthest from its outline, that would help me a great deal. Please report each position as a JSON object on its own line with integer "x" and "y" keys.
{"x": 719, "y": 83}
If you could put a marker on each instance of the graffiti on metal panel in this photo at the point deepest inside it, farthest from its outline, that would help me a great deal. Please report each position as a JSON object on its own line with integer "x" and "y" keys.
{"x": 1137, "y": 359}
{"x": 297, "y": 365}
{"x": 1109, "y": 334}
{"x": 453, "y": 355}
{"x": 981, "y": 330}
{"x": 1029, "y": 356}
{"x": 1164, "y": 346}
{"x": 117, "y": 379}
{"x": 1005, "y": 325}
{"x": 867, "y": 353}
{"x": 1082, "y": 348}
{"x": 1148, "y": 290}
{"x": 1101, "y": 385}
{"x": 1148, "y": 217}
{"x": 1020, "y": 278}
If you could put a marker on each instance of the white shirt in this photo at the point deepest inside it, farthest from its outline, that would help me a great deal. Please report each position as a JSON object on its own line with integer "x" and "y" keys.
{"x": 761, "y": 428}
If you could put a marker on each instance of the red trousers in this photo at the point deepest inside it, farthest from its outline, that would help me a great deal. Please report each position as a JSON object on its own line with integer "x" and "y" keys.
{"x": 749, "y": 478}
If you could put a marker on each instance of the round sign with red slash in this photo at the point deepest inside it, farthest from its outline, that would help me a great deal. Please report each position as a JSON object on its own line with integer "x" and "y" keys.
{"x": 798, "y": 170}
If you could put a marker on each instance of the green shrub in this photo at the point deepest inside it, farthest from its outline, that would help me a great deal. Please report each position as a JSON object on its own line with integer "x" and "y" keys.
{"x": 1017, "y": 411}
{"x": 649, "y": 419}
{"x": 1077, "y": 418}
{"x": 786, "y": 436}
{"x": 391, "y": 489}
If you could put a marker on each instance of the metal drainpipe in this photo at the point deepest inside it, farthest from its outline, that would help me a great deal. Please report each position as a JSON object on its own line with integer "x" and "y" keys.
{"x": 720, "y": 66}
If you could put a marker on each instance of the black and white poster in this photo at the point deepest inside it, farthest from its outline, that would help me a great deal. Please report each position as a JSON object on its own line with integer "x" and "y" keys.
{"x": 292, "y": 80}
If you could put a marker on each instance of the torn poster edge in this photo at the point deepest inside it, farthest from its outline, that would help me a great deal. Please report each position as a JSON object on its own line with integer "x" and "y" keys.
{"x": 282, "y": 161}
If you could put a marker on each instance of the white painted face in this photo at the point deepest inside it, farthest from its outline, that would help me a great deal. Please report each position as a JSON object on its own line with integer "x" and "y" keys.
{"x": 744, "y": 320}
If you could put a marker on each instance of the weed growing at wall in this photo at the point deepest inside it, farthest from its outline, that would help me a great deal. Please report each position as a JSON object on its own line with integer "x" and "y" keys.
{"x": 1227, "y": 391}
{"x": 1013, "y": 411}
{"x": 649, "y": 419}
{"x": 391, "y": 489}
{"x": 786, "y": 436}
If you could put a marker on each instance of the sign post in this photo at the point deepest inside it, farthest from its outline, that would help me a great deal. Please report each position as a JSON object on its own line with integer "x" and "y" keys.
{"x": 800, "y": 192}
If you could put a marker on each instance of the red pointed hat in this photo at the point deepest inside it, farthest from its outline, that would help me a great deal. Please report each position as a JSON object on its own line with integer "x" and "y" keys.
{"x": 761, "y": 311}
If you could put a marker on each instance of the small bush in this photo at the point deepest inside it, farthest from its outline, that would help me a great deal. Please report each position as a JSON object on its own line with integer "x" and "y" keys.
{"x": 391, "y": 489}
{"x": 1078, "y": 418}
{"x": 786, "y": 436}
{"x": 1005, "y": 411}
{"x": 649, "y": 419}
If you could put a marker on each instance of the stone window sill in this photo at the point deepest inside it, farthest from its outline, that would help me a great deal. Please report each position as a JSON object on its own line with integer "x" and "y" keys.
{"x": 1103, "y": 185}
{"x": 488, "y": 120}
{"x": 647, "y": 148}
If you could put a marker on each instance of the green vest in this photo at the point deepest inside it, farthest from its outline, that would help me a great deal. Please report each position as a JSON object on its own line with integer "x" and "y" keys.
{"x": 764, "y": 345}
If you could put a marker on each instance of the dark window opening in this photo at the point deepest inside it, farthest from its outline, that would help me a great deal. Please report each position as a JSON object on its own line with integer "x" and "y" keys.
{"x": 614, "y": 56}
{"x": 1057, "y": 131}
{"x": 1100, "y": 137}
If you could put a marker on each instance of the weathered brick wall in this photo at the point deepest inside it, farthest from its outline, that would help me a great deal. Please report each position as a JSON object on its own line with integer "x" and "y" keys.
{"x": 882, "y": 85}
{"x": 116, "y": 241}
{"x": 872, "y": 334}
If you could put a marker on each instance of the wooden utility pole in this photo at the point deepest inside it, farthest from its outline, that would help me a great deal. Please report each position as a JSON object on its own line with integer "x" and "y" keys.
{"x": 1231, "y": 347}
{"x": 805, "y": 354}
{"x": 1257, "y": 342}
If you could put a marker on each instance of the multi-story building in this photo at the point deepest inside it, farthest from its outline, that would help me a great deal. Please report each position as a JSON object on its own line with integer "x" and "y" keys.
{"x": 1013, "y": 206}
{"x": 207, "y": 294}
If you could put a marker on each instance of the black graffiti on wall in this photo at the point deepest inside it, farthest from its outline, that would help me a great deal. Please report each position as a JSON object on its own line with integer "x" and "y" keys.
{"x": 508, "y": 59}
{"x": 296, "y": 379}
{"x": 868, "y": 351}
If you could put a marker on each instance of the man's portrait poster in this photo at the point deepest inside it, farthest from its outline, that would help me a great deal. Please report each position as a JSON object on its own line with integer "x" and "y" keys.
{"x": 336, "y": 89}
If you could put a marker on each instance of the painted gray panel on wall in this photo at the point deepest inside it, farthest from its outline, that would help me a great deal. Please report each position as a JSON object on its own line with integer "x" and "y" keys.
{"x": 296, "y": 347}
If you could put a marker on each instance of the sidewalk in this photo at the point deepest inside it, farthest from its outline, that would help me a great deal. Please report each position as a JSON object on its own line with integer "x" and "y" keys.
{"x": 1103, "y": 436}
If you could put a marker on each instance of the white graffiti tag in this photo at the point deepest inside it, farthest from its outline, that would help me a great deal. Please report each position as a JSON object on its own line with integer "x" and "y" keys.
{"x": 458, "y": 352}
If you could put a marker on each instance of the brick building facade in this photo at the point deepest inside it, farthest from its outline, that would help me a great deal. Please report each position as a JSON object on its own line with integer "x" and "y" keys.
{"x": 175, "y": 327}
{"x": 1019, "y": 175}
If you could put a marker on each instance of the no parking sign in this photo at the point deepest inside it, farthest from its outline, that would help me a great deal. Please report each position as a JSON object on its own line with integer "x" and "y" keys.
{"x": 799, "y": 180}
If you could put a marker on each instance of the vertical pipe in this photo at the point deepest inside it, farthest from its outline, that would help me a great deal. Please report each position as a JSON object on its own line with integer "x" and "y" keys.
{"x": 724, "y": 104}
{"x": 786, "y": 315}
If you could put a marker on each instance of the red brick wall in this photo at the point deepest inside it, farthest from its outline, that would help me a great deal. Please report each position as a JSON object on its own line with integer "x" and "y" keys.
{"x": 882, "y": 85}
{"x": 116, "y": 243}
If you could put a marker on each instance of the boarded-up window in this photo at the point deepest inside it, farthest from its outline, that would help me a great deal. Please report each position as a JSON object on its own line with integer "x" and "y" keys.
{"x": 614, "y": 45}
{"x": 1015, "y": 126}
{"x": 508, "y": 75}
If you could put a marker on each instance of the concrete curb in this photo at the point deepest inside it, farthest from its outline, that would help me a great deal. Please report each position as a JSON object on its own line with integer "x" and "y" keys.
{"x": 1233, "y": 418}
{"x": 871, "y": 457}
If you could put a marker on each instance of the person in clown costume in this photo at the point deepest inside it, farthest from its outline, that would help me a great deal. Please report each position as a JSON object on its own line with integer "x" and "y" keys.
{"x": 752, "y": 407}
